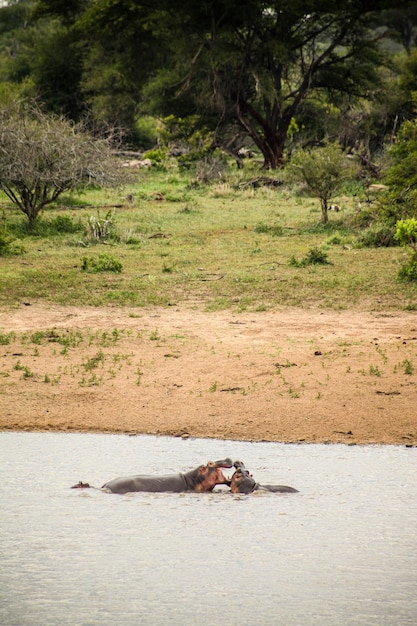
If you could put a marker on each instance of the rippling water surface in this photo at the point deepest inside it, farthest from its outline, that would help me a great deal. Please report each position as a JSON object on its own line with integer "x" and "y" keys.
{"x": 342, "y": 551}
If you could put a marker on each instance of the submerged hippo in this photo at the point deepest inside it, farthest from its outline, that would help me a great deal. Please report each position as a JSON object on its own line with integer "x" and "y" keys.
{"x": 243, "y": 482}
{"x": 203, "y": 478}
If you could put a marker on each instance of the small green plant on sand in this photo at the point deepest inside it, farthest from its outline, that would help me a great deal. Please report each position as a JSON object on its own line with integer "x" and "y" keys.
{"x": 6, "y": 338}
{"x": 408, "y": 367}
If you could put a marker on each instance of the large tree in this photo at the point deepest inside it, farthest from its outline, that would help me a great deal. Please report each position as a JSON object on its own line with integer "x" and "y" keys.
{"x": 254, "y": 63}
{"x": 259, "y": 62}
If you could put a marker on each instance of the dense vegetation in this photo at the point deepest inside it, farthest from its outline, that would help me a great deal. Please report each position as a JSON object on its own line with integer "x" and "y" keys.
{"x": 255, "y": 120}
{"x": 270, "y": 75}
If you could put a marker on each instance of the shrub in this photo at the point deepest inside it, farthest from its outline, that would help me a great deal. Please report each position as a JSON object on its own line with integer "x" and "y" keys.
{"x": 65, "y": 224}
{"x": 403, "y": 173}
{"x": 43, "y": 156}
{"x": 406, "y": 234}
{"x": 157, "y": 155}
{"x": 211, "y": 167}
{"x": 103, "y": 263}
{"x": 408, "y": 272}
{"x": 8, "y": 244}
{"x": 314, "y": 256}
{"x": 377, "y": 236}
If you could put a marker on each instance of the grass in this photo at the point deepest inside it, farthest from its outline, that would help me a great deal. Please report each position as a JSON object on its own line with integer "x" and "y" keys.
{"x": 92, "y": 370}
{"x": 214, "y": 247}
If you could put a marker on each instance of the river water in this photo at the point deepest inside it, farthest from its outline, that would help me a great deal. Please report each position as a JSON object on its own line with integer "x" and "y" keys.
{"x": 342, "y": 551}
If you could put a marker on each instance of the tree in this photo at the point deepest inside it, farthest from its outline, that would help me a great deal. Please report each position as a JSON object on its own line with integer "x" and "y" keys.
{"x": 322, "y": 169}
{"x": 117, "y": 48}
{"x": 402, "y": 25}
{"x": 255, "y": 64}
{"x": 43, "y": 156}
{"x": 259, "y": 63}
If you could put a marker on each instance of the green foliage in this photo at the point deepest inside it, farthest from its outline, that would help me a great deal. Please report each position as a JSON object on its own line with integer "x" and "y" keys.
{"x": 403, "y": 173}
{"x": 226, "y": 68}
{"x": 314, "y": 256}
{"x": 408, "y": 272}
{"x": 208, "y": 237}
{"x": 406, "y": 234}
{"x": 378, "y": 235}
{"x": 65, "y": 224}
{"x": 408, "y": 367}
{"x": 8, "y": 244}
{"x": 322, "y": 170}
{"x": 101, "y": 263}
{"x": 157, "y": 155}
{"x": 6, "y": 338}
{"x": 147, "y": 130}
{"x": 401, "y": 201}
{"x": 43, "y": 227}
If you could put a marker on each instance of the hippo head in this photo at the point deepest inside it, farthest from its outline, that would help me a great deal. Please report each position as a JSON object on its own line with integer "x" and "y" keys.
{"x": 210, "y": 475}
{"x": 242, "y": 481}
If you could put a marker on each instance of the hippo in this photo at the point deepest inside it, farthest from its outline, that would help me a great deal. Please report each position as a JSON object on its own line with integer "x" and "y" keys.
{"x": 201, "y": 479}
{"x": 243, "y": 482}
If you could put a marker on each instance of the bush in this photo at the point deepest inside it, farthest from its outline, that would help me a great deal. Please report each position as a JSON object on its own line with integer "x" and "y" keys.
{"x": 408, "y": 271}
{"x": 403, "y": 173}
{"x": 406, "y": 234}
{"x": 103, "y": 263}
{"x": 377, "y": 236}
{"x": 401, "y": 201}
{"x": 147, "y": 128}
{"x": 210, "y": 168}
{"x": 314, "y": 256}
{"x": 157, "y": 155}
{"x": 8, "y": 245}
{"x": 58, "y": 225}
{"x": 65, "y": 224}
{"x": 43, "y": 156}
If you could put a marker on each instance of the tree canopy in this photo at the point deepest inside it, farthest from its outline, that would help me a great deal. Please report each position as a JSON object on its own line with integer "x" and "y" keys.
{"x": 258, "y": 69}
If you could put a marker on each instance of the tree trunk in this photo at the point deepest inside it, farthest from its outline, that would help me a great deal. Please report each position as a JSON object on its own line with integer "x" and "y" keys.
{"x": 324, "y": 210}
{"x": 267, "y": 137}
{"x": 273, "y": 153}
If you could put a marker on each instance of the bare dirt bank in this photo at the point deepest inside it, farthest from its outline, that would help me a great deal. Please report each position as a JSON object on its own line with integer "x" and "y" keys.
{"x": 291, "y": 375}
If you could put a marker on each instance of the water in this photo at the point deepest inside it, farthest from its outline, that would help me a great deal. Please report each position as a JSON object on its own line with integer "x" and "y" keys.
{"x": 343, "y": 551}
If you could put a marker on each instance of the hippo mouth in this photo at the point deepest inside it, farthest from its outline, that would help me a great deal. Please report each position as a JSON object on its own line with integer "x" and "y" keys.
{"x": 224, "y": 463}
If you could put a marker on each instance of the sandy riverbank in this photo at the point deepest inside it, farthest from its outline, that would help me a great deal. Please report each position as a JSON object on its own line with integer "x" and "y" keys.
{"x": 291, "y": 375}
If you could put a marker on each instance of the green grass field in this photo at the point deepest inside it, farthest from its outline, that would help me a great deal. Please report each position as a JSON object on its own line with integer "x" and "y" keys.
{"x": 217, "y": 246}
